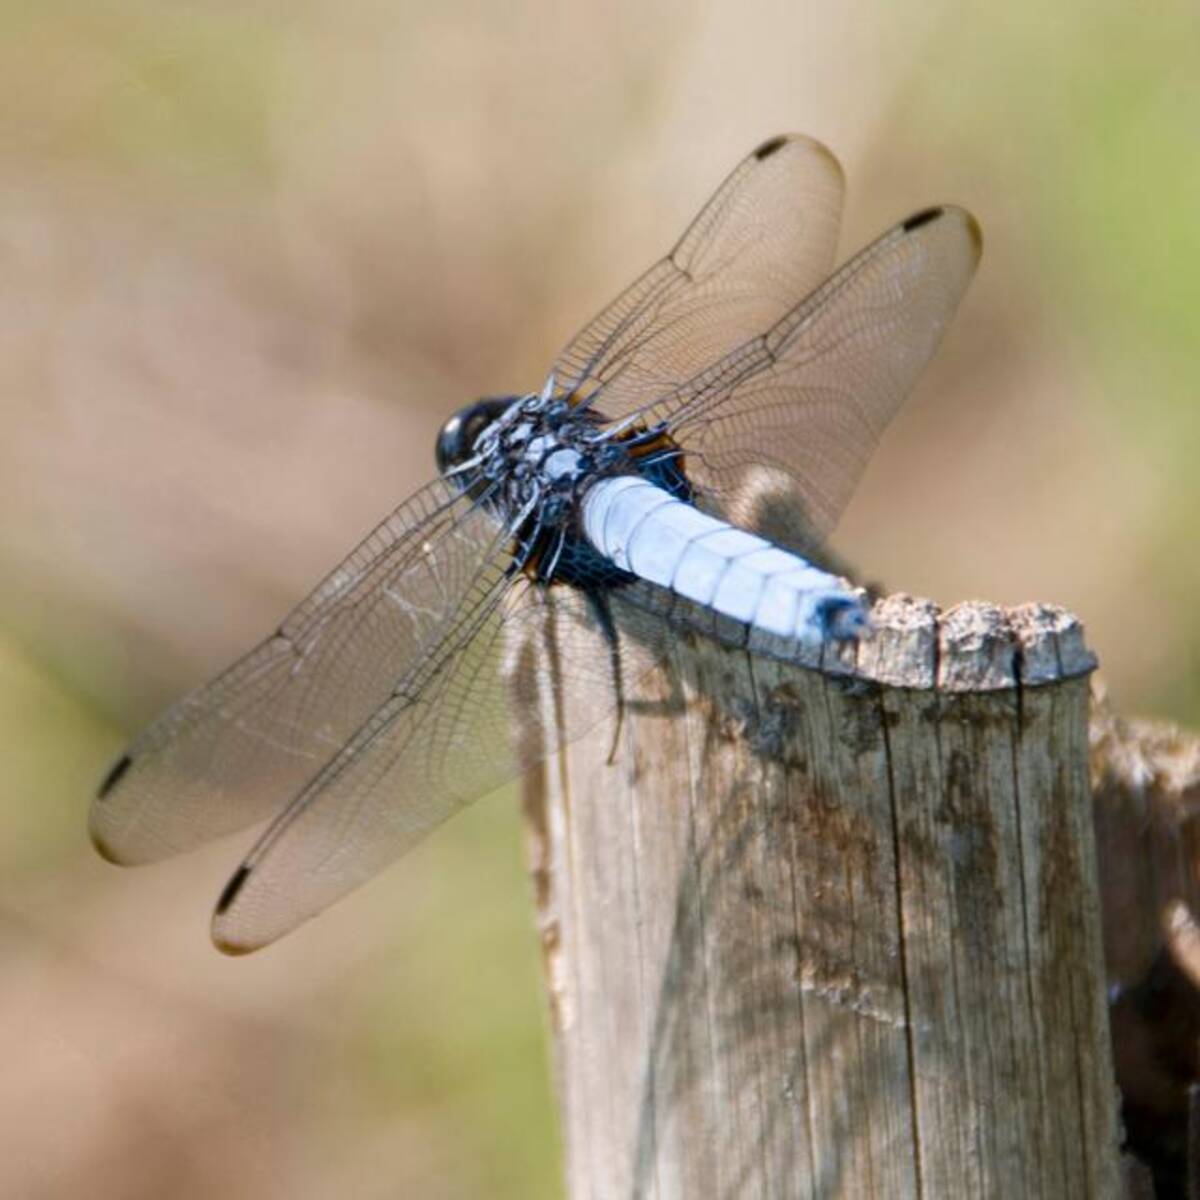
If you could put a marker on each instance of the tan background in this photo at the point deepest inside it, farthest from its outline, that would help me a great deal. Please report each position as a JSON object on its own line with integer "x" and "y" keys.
{"x": 251, "y": 254}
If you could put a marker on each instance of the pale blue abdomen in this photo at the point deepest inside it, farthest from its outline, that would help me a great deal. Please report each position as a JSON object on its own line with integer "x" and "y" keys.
{"x": 645, "y": 530}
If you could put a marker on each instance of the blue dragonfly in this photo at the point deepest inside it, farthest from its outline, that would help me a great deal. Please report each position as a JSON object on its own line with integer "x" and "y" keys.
{"x": 625, "y": 499}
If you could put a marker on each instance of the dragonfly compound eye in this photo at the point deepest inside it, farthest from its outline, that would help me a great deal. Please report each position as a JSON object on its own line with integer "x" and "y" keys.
{"x": 456, "y": 441}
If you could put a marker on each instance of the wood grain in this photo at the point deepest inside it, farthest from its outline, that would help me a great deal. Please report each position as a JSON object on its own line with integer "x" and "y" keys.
{"x": 832, "y": 929}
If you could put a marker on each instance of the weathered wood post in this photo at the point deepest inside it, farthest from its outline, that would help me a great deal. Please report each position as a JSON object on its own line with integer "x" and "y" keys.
{"x": 834, "y": 932}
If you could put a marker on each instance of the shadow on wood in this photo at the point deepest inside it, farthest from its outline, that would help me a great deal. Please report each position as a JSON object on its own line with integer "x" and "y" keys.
{"x": 832, "y": 932}
{"x": 1146, "y": 792}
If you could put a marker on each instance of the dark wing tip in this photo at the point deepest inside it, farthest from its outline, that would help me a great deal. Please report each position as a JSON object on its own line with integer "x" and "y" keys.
{"x": 922, "y": 218}
{"x": 103, "y": 849}
{"x": 115, "y": 773}
{"x": 770, "y": 146}
{"x": 99, "y": 838}
{"x": 952, "y": 212}
{"x": 806, "y": 144}
{"x": 228, "y": 895}
{"x": 232, "y": 948}
{"x": 973, "y": 232}
{"x": 231, "y": 889}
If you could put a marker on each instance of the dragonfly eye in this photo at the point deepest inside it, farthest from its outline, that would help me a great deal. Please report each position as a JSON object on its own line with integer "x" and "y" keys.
{"x": 456, "y": 441}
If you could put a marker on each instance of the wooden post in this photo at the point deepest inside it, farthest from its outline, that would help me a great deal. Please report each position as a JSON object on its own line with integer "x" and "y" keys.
{"x": 834, "y": 933}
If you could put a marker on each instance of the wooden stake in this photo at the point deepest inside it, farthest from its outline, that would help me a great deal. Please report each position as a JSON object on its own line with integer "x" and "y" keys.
{"x": 834, "y": 932}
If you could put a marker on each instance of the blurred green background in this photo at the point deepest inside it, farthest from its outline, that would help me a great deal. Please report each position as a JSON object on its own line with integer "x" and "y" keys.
{"x": 252, "y": 254}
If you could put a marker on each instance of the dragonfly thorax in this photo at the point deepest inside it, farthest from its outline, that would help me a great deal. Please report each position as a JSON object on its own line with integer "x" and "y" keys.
{"x": 526, "y": 453}
{"x": 531, "y": 460}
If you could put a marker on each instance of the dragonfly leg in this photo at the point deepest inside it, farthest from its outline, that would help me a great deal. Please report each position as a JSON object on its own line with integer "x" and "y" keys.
{"x": 602, "y": 611}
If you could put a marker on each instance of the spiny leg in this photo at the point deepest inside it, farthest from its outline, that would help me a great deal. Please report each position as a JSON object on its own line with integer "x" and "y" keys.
{"x": 602, "y": 611}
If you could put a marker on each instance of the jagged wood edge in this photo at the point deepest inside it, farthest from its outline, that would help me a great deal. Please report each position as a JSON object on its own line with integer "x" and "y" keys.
{"x": 972, "y": 647}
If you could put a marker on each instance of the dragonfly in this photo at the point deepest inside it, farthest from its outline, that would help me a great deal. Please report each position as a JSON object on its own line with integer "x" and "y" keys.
{"x": 638, "y": 492}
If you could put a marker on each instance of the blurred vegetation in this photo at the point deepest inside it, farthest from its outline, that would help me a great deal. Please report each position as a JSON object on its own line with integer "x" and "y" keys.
{"x": 1089, "y": 113}
{"x": 253, "y": 252}
{"x": 173, "y": 90}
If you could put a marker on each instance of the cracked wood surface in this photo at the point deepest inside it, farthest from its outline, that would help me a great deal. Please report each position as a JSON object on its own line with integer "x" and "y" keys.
{"x": 832, "y": 932}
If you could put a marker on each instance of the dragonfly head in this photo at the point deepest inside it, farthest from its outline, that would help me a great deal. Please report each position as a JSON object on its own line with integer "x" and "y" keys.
{"x": 457, "y": 440}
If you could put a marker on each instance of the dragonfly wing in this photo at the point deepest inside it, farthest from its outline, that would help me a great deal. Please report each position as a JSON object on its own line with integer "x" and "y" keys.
{"x": 233, "y": 752}
{"x": 444, "y": 739}
{"x": 776, "y": 435}
{"x": 765, "y": 239}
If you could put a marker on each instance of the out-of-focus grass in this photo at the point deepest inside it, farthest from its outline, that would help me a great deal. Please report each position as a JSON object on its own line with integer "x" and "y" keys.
{"x": 51, "y": 744}
{"x": 1091, "y": 111}
{"x": 445, "y": 1021}
{"x": 180, "y": 90}
{"x": 424, "y": 1064}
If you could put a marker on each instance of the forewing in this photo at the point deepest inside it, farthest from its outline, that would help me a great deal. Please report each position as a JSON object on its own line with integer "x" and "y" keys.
{"x": 235, "y": 751}
{"x": 444, "y": 739}
{"x": 765, "y": 239}
{"x": 776, "y": 435}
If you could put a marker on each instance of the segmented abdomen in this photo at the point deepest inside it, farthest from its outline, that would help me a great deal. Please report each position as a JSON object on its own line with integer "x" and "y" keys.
{"x": 645, "y": 530}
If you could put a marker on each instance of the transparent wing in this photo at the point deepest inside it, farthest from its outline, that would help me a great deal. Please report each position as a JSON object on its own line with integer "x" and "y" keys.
{"x": 776, "y": 434}
{"x": 765, "y": 239}
{"x": 382, "y": 704}
{"x": 444, "y": 739}
{"x": 235, "y": 751}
